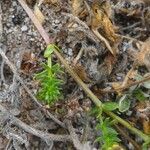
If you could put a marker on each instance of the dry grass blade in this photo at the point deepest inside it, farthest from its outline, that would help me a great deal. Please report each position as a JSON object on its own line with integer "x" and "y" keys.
{"x": 36, "y": 21}
{"x": 119, "y": 88}
{"x": 100, "y": 37}
{"x": 39, "y": 14}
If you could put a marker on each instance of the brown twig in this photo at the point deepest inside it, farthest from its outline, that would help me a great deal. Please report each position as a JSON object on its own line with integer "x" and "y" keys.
{"x": 137, "y": 147}
{"x": 126, "y": 86}
{"x": 137, "y": 82}
{"x": 131, "y": 26}
{"x": 95, "y": 31}
{"x": 36, "y": 22}
{"x": 101, "y": 38}
{"x": 129, "y": 38}
{"x": 43, "y": 135}
{"x": 74, "y": 136}
{"x": 78, "y": 56}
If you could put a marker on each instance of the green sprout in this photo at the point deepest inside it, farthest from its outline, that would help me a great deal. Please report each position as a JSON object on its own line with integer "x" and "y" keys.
{"x": 108, "y": 138}
{"x": 50, "y": 85}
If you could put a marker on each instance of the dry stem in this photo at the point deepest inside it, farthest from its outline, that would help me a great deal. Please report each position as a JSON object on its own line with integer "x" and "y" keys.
{"x": 127, "y": 86}
{"x": 43, "y": 135}
{"x": 74, "y": 136}
{"x": 127, "y": 137}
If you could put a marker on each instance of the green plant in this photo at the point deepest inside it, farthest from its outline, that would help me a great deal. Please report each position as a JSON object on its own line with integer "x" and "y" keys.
{"x": 50, "y": 85}
{"x": 91, "y": 95}
{"x": 125, "y": 100}
{"x": 108, "y": 137}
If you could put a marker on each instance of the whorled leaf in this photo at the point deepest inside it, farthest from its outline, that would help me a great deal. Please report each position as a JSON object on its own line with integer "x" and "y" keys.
{"x": 110, "y": 106}
{"x": 124, "y": 103}
{"x": 50, "y": 85}
{"x": 140, "y": 95}
{"x": 108, "y": 135}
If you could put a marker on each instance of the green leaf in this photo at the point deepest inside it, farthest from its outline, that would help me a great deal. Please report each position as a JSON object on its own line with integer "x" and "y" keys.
{"x": 139, "y": 95}
{"x": 146, "y": 84}
{"x": 108, "y": 135}
{"x": 99, "y": 139}
{"x": 50, "y": 85}
{"x": 96, "y": 111}
{"x": 49, "y": 50}
{"x": 110, "y": 106}
{"x": 146, "y": 145}
{"x": 138, "y": 77}
{"x": 124, "y": 103}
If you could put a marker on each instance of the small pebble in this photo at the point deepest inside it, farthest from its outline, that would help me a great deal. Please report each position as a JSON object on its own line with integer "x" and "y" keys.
{"x": 9, "y": 31}
{"x": 13, "y": 3}
{"x": 15, "y": 112}
{"x": 57, "y": 21}
{"x": 129, "y": 113}
{"x": 24, "y": 28}
{"x": 31, "y": 39}
{"x": 119, "y": 78}
{"x": 11, "y": 9}
{"x": 75, "y": 25}
{"x": 131, "y": 147}
{"x": 70, "y": 53}
{"x": 53, "y": 24}
{"x": 65, "y": 50}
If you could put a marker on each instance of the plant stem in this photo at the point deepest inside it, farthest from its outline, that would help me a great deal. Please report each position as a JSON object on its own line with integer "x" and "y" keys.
{"x": 127, "y": 125}
{"x": 49, "y": 61}
{"x": 78, "y": 80}
{"x": 97, "y": 102}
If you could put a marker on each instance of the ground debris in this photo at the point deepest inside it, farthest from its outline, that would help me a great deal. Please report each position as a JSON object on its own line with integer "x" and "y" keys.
{"x": 105, "y": 42}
